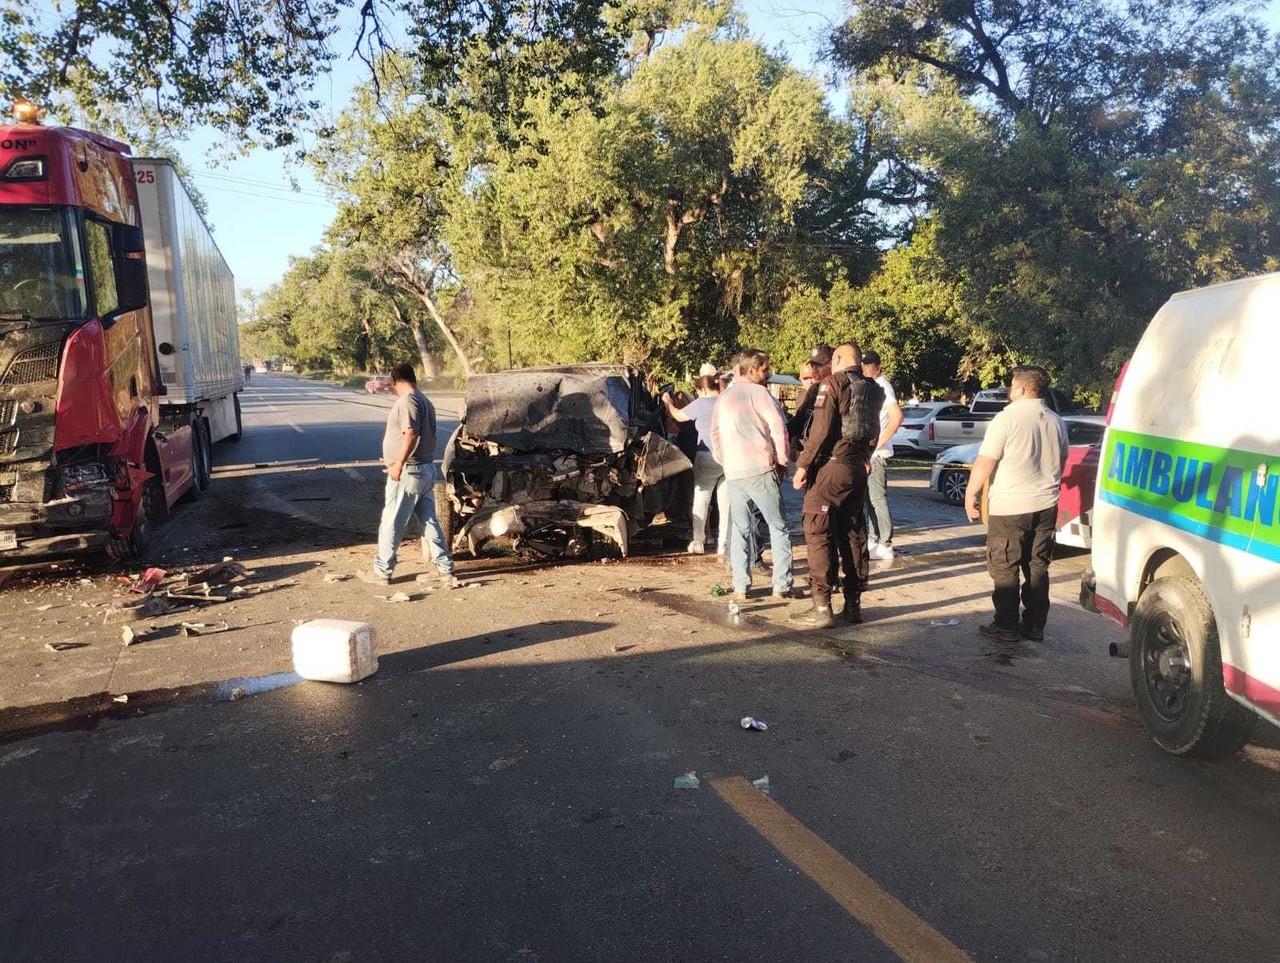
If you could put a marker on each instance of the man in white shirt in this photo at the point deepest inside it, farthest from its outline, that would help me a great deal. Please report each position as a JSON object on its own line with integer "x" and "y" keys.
{"x": 880, "y": 538}
{"x": 749, "y": 439}
{"x": 1025, "y": 449}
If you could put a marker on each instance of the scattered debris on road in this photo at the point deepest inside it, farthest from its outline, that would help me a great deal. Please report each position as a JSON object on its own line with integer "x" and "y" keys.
{"x": 762, "y": 784}
{"x": 63, "y": 646}
{"x": 400, "y": 597}
{"x": 128, "y": 636}
{"x": 237, "y": 693}
{"x": 336, "y": 577}
{"x": 759, "y": 725}
{"x": 944, "y": 623}
{"x": 120, "y": 698}
{"x": 148, "y": 581}
{"x": 203, "y": 628}
{"x": 689, "y": 780}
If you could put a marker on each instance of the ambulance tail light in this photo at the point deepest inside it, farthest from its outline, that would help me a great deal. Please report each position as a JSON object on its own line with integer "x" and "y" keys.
{"x": 1115, "y": 391}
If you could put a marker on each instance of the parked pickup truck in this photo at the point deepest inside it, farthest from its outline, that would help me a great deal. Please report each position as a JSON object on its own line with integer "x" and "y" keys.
{"x": 952, "y": 428}
{"x": 962, "y": 428}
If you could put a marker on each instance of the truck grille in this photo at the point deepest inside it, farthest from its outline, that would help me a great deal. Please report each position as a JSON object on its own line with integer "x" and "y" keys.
{"x": 39, "y": 363}
{"x": 7, "y": 409}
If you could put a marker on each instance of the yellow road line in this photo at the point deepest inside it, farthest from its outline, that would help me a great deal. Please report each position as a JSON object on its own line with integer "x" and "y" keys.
{"x": 893, "y": 924}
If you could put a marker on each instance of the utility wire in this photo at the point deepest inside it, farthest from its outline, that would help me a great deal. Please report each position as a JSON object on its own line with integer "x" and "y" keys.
{"x": 218, "y": 188}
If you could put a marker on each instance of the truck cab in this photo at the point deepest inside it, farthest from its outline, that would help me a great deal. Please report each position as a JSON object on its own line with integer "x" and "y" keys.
{"x": 84, "y": 462}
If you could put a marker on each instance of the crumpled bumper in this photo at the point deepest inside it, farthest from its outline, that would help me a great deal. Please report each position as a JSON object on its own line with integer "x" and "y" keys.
{"x": 520, "y": 523}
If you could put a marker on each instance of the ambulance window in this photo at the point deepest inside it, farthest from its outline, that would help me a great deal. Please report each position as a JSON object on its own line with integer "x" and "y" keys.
{"x": 102, "y": 273}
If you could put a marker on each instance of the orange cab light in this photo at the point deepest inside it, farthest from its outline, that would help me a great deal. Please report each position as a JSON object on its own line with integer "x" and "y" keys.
{"x": 25, "y": 112}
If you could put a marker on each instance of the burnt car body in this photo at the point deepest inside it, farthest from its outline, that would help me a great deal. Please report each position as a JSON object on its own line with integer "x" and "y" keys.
{"x": 553, "y": 460}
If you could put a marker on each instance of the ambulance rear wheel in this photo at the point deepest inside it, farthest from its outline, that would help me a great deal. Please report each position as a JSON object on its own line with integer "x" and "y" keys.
{"x": 1175, "y": 667}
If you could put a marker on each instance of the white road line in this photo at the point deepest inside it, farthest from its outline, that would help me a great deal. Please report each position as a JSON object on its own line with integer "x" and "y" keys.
{"x": 296, "y": 428}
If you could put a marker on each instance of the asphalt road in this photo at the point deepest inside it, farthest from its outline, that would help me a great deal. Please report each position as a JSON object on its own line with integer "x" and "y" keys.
{"x": 503, "y": 788}
{"x": 290, "y": 419}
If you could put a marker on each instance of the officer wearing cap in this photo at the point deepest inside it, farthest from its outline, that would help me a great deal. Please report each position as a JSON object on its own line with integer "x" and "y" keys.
{"x": 820, "y": 360}
{"x": 832, "y": 472}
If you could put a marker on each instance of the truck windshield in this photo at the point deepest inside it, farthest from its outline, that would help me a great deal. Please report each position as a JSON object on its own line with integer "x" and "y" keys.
{"x": 39, "y": 276}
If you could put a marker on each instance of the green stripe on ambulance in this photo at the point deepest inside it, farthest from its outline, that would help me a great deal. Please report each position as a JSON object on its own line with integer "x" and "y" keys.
{"x": 1217, "y": 493}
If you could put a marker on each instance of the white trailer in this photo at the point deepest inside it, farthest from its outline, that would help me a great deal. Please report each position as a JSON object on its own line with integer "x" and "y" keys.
{"x": 193, "y": 306}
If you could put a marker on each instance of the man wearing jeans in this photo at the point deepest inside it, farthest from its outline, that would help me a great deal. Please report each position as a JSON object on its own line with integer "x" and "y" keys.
{"x": 1025, "y": 449}
{"x": 407, "y": 449}
{"x": 749, "y": 439}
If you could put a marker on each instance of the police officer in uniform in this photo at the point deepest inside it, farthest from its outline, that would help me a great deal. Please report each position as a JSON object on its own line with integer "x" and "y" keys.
{"x": 820, "y": 358}
{"x": 832, "y": 472}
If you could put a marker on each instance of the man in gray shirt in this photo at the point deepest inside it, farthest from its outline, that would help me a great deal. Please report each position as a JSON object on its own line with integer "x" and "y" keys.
{"x": 408, "y": 446}
{"x": 1023, "y": 453}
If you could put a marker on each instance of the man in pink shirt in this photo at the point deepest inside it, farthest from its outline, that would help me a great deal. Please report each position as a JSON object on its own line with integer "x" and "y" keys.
{"x": 749, "y": 439}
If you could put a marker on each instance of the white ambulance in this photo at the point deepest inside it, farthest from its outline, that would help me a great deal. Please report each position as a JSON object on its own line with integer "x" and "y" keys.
{"x": 1186, "y": 536}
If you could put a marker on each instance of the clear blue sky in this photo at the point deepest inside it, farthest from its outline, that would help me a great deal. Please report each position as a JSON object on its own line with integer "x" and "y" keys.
{"x": 260, "y": 220}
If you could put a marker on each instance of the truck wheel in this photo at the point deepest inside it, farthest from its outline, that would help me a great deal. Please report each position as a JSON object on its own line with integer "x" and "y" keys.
{"x": 200, "y": 455}
{"x": 150, "y": 511}
{"x": 444, "y": 514}
{"x": 1175, "y": 666}
{"x": 239, "y": 422}
{"x": 952, "y": 484}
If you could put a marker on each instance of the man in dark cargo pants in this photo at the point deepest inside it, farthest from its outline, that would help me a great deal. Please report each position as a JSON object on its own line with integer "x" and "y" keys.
{"x": 1022, "y": 454}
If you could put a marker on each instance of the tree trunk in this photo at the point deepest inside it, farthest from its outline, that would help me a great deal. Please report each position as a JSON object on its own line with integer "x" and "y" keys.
{"x": 426, "y": 363}
{"x": 447, "y": 332}
{"x": 413, "y": 283}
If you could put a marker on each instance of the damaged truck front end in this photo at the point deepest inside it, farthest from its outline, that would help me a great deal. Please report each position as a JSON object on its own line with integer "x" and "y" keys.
{"x": 49, "y": 504}
{"x": 556, "y": 461}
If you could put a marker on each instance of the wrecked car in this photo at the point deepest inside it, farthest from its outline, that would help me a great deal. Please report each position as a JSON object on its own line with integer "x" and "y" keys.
{"x": 555, "y": 462}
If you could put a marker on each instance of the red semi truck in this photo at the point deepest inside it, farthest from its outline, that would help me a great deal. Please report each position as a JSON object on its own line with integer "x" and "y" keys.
{"x": 119, "y": 361}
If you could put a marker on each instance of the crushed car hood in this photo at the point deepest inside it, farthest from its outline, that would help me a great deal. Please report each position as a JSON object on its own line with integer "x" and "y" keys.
{"x": 581, "y": 408}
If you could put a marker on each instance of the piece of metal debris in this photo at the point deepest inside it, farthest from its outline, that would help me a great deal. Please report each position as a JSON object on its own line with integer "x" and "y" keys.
{"x": 61, "y": 646}
{"x": 757, "y": 724}
{"x": 120, "y": 698}
{"x": 203, "y": 628}
{"x": 147, "y": 582}
{"x": 762, "y": 783}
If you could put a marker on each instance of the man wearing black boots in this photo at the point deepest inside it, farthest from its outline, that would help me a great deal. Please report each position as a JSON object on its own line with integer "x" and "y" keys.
{"x": 832, "y": 472}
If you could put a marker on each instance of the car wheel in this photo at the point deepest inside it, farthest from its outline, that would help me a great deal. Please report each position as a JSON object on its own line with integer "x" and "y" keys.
{"x": 952, "y": 484}
{"x": 1175, "y": 667}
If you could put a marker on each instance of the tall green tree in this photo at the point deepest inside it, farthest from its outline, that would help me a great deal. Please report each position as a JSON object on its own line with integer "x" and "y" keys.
{"x": 391, "y": 164}
{"x": 1081, "y": 161}
{"x": 649, "y": 229}
{"x": 250, "y": 69}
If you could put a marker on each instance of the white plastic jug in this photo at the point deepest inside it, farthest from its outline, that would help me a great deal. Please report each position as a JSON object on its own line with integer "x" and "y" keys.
{"x": 333, "y": 650}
